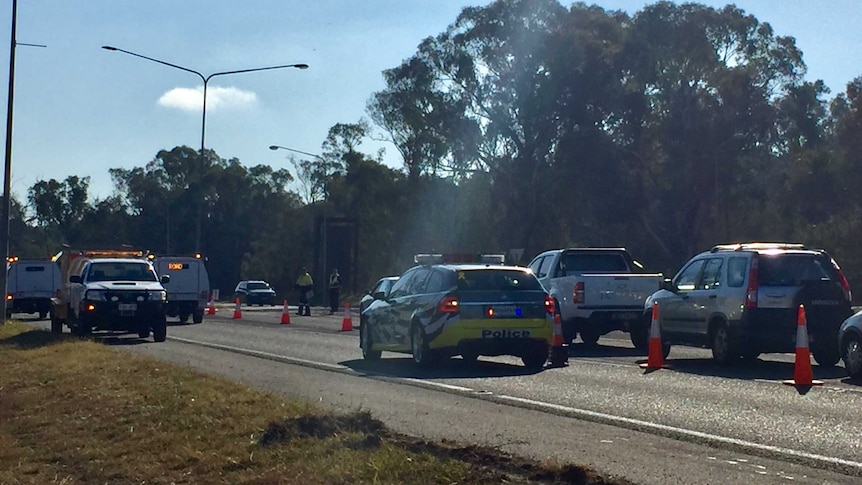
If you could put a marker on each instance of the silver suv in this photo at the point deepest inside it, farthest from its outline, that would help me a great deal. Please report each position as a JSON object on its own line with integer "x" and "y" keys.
{"x": 741, "y": 300}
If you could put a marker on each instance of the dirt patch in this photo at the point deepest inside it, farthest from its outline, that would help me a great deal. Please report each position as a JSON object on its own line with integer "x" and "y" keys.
{"x": 492, "y": 461}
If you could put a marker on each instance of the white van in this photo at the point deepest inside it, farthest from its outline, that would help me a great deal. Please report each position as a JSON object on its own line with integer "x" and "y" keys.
{"x": 30, "y": 284}
{"x": 189, "y": 287}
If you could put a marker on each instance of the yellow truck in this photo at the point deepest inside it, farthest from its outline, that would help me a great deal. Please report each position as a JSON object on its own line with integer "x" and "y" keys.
{"x": 109, "y": 289}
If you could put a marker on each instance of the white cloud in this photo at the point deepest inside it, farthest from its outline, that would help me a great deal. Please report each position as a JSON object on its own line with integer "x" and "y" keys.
{"x": 190, "y": 99}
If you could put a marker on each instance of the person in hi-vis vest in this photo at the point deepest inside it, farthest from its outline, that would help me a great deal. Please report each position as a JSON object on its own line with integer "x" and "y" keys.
{"x": 305, "y": 286}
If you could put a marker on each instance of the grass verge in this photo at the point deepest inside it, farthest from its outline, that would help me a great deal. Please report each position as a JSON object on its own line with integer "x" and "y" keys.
{"x": 75, "y": 411}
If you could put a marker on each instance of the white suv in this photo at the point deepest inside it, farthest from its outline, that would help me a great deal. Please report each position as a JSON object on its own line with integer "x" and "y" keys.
{"x": 741, "y": 300}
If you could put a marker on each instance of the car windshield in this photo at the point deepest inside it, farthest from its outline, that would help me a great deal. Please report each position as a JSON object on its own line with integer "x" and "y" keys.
{"x": 120, "y": 272}
{"x": 496, "y": 280}
{"x": 257, "y": 285}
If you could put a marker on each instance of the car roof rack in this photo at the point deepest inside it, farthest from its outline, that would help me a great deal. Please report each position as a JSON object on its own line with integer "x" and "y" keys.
{"x": 756, "y": 246}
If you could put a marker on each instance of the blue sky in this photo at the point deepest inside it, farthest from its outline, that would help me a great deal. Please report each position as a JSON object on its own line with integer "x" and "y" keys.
{"x": 80, "y": 110}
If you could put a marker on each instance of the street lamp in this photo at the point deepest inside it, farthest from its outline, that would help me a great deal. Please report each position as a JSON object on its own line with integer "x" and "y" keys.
{"x": 276, "y": 147}
{"x": 205, "y": 80}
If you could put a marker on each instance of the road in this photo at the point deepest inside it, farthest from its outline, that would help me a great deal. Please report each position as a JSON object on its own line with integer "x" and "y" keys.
{"x": 695, "y": 422}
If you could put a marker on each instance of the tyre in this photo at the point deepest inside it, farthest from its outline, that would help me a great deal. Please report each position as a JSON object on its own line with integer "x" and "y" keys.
{"x": 720, "y": 344}
{"x": 569, "y": 331}
{"x": 422, "y": 355}
{"x": 469, "y": 358}
{"x": 43, "y": 314}
{"x": 81, "y": 328}
{"x": 366, "y": 343}
{"x": 144, "y": 333}
{"x": 639, "y": 333}
{"x": 56, "y": 325}
{"x": 851, "y": 352}
{"x": 198, "y": 316}
{"x": 535, "y": 359}
{"x": 184, "y": 318}
{"x": 590, "y": 336}
{"x": 160, "y": 331}
{"x": 826, "y": 355}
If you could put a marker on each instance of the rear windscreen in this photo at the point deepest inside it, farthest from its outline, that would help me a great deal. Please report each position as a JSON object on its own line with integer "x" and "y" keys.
{"x": 580, "y": 263}
{"x": 793, "y": 269}
{"x": 497, "y": 280}
{"x": 258, "y": 286}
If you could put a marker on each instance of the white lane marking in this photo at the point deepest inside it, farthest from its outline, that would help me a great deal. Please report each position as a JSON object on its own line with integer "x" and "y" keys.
{"x": 558, "y": 409}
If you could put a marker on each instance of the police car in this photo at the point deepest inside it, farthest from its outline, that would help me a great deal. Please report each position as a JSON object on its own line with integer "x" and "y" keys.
{"x": 444, "y": 307}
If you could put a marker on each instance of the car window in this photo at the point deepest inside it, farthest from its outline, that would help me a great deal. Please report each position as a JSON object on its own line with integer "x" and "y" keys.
{"x": 434, "y": 284}
{"x": 536, "y": 266}
{"x": 400, "y": 288}
{"x": 497, "y": 280}
{"x": 687, "y": 279}
{"x": 417, "y": 283}
{"x": 736, "y": 267}
{"x": 711, "y": 278}
{"x": 546, "y": 267}
{"x": 575, "y": 263}
{"x": 258, "y": 286}
{"x": 793, "y": 269}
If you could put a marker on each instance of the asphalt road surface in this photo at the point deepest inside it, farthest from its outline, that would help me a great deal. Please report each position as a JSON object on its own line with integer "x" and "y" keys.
{"x": 695, "y": 422}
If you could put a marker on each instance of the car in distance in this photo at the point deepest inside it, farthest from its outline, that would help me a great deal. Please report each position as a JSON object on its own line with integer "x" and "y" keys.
{"x": 850, "y": 341}
{"x": 255, "y": 292}
{"x": 442, "y": 308}
{"x": 379, "y": 291}
{"x": 741, "y": 300}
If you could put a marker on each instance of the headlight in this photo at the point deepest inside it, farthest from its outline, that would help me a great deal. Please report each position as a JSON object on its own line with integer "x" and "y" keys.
{"x": 157, "y": 295}
{"x": 95, "y": 295}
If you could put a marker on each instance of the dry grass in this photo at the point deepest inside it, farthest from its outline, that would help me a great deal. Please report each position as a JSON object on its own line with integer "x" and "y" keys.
{"x": 74, "y": 411}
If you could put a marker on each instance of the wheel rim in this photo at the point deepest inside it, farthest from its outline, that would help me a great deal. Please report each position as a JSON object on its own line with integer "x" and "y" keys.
{"x": 853, "y": 356}
{"x": 719, "y": 343}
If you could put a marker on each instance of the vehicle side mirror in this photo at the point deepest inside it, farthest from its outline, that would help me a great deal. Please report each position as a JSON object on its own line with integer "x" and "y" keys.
{"x": 667, "y": 284}
{"x": 75, "y": 278}
{"x": 165, "y": 279}
{"x": 379, "y": 295}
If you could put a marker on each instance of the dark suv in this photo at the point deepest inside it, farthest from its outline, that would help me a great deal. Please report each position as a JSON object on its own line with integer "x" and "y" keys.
{"x": 741, "y": 300}
{"x": 255, "y": 292}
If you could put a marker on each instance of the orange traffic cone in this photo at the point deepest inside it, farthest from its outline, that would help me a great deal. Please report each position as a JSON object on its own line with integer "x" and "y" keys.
{"x": 347, "y": 321}
{"x": 237, "y": 312}
{"x": 559, "y": 352}
{"x": 655, "y": 355}
{"x": 211, "y": 307}
{"x": 803, "y": 377}
{"x": 285, "y": 315}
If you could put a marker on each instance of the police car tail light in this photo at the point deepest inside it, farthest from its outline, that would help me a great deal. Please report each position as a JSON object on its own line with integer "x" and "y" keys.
{"x": 751, "y": 291}
{"x": 578, "y": 293}
{"x": 448, "y": 304}
{"x": 10, "y": 296}
{"x": 549, "y": 305}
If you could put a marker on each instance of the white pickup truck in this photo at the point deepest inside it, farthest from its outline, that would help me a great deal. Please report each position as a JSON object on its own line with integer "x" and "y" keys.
{"x": 597, "y": 290}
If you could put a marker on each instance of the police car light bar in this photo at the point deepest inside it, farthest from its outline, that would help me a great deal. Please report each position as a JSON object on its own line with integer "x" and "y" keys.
{"x": 459, "y": 258}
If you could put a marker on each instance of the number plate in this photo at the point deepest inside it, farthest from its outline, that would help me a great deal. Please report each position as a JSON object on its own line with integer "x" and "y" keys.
{"x": 128, "y": 307}
{"x": 503, "y": 311}
{"x": 628, "y": 316}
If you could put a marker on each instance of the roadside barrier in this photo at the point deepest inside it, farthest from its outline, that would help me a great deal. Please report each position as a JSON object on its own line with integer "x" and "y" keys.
{"x": 285, "y": 315}
{"x": 347, "y": 321}
{"x": 803, "y": 376}
{"x": 655, "y": 355}
{"x": 211, "y": 307}
{"x": 237, "y": 311}
{"x": 559, "y": 352}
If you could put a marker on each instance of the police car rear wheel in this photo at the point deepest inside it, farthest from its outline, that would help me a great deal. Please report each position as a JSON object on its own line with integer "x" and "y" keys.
{"x": 365, "y": 336}
{"x": 536, "y": 359}
{"x": 422, "y": 355}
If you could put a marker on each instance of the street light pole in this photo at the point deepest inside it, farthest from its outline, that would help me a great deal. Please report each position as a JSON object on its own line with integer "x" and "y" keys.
{"x": 205, "y": 80}
{"x": 277, "y": 147}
